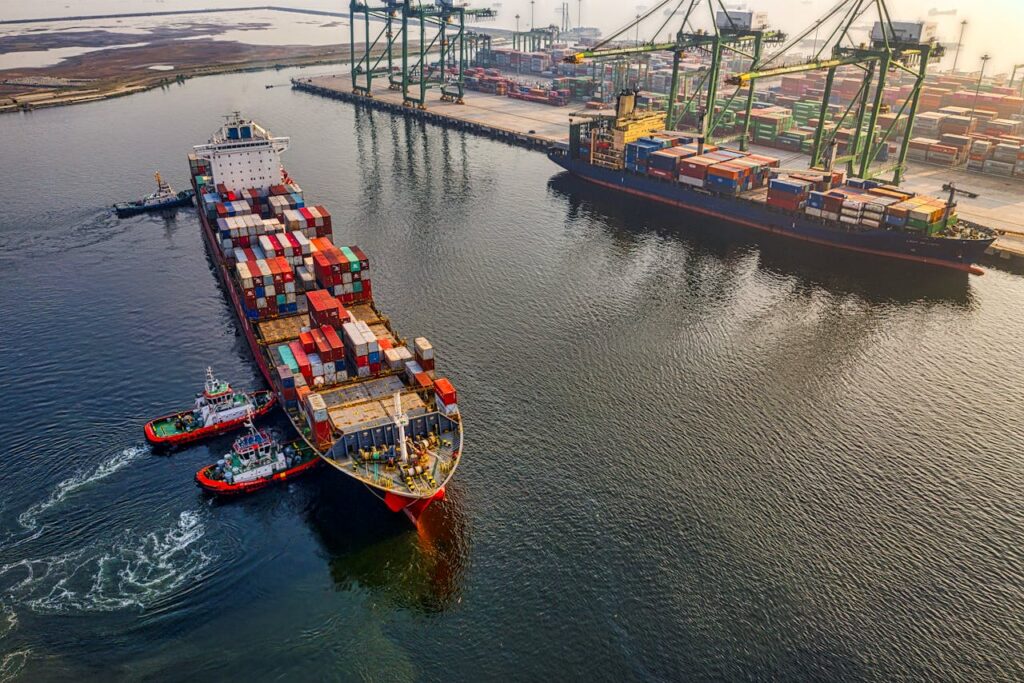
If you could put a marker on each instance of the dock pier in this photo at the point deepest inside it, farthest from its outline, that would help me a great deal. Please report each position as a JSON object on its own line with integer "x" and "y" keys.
{"x": 516, "y": 122}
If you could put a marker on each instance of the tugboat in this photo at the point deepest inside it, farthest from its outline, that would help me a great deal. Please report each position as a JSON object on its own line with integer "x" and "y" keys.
{"x": 218, "y": 409}
{"x": 256, "y": 460}
{"x": 164, "y": 198}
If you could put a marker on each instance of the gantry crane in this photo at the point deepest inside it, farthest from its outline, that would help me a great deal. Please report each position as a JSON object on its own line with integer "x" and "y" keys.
{"x": 729, "y": 33}
{"x": 535, "y": 39}
{"x": 892, "y": 47}
{"x": 446, "y": 22}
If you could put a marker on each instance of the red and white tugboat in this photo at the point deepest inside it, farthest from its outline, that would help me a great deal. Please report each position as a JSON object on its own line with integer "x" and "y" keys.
{"x": 217, "y": 410}
{"x": 256, "y": 460}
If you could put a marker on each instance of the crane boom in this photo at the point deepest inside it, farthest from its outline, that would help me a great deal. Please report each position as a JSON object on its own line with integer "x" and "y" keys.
{"x": 742, "y": 79}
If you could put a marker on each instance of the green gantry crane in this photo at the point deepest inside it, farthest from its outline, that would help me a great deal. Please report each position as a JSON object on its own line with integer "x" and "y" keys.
{"x": 892, "y": 48}
{"x": 388, "y": 53}
{"x": 730, "y": 33}
{"x": 535, "y": 39}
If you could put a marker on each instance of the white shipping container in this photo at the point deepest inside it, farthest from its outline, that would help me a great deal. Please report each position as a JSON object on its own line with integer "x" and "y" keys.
{"x": 393, "y": 359}
{"x": 412, "y": 368}
{"x": 423, "y": 348}
{"x": 445, "y": 409}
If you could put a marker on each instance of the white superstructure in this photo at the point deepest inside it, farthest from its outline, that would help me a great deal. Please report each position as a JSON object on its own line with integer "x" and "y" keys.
{"x": 243, "y": 154}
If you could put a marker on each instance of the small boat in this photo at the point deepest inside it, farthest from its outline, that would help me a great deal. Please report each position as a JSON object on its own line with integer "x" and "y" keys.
{"x": 218, "y": 409}
{"x": 164, "y": 198}
{"x": 256, "y": 460}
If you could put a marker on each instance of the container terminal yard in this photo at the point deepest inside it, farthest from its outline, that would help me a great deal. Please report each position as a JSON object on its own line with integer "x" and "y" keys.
{"x": 882, "y": 110}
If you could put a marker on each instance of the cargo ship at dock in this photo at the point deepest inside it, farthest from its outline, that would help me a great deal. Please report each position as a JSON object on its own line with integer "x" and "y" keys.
{"x": 630, "y": 153}
{"x": 365, "y": 399}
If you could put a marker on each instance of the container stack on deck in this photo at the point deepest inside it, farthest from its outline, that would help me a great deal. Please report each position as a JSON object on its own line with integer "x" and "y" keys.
{"x": 857, "y": 203}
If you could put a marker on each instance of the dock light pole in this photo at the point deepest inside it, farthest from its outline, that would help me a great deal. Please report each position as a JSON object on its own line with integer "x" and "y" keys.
{"x": 959, "y": 42}
{"x": 531, "y": 15}
{"x": 977, "y": 91}
{"x": 519, "y": 60}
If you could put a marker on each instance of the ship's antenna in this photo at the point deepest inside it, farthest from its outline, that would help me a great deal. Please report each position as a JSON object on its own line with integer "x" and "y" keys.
{"x": 402, "y": 420}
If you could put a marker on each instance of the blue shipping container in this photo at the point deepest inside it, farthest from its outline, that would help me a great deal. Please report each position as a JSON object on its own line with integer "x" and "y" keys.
{"x": 789, "y": 187}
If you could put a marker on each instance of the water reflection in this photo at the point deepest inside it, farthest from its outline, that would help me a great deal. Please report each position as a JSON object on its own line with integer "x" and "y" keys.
{"x": 810, "y": 267}
{"x": 418, "y": 568}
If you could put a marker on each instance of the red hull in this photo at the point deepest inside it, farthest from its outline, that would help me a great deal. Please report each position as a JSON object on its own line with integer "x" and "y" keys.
{"x": 412, "y": 507}
{"x": 203, "y": 432}
{"x": 222, "y": 488}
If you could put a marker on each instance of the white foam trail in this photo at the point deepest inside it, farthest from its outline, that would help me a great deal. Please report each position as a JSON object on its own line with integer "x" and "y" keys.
{"x": 12, "y": 664}
{"x": 134, "y": 571}
{"x": 29, "y": 519}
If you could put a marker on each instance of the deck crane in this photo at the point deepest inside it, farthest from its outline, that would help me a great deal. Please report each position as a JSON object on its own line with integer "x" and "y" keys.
{"x": 447, "y": 22}
{"x": 953, "y": 191}
{"x": 902, "y": 46}
{"x": 742, "y": 33}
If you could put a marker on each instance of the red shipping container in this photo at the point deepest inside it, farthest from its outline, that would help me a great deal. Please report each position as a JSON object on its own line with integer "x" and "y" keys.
{"x": 374, "y": 368}
{"x": 362, "y": 361}
{"x": 308, "y": 344}
{"x": 423, "y": 380}
{"x": 787, "y": 202}
{"x": 364, "y": 262}
{"x": 322, "y": 347}
{"x": 334, "y": 339}
{"x": 301, "y": 360}
{"x": 426, "y": 363}
{"x": 383, "y": 343}
{"x": 308, "y": 216}
{"x": 445, "y": 391}
{"x": 326, "y": 216}
{"x": 660, "y": 173}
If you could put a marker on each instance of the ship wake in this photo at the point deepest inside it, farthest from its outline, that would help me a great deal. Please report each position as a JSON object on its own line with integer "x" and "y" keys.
{"x": 29, "y": 519}
{"x": 133, "y": 571}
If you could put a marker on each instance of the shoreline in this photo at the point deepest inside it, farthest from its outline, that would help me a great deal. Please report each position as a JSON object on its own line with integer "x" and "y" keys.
{"x": 124, "y": 86}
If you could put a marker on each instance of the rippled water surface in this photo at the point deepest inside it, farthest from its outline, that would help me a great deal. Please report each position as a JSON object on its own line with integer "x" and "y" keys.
{"x": 691, "y": 454}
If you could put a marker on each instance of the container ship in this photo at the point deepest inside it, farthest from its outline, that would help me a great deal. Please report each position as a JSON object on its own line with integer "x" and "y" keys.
{"x": 630, "y": 152}
{"x": 368, "y": 401}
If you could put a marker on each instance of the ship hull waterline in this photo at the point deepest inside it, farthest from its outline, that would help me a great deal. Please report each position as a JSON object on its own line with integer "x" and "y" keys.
{"x": 947, "y": 253}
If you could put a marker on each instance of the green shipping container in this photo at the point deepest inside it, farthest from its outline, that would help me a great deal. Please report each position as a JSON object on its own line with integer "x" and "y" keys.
{"x": 287, "y": 357}
{"x": 918, "y": 224}
{"x": 352, "y": 259}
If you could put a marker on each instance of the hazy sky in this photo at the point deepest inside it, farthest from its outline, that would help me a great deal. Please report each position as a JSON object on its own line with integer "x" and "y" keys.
{"x": 996, "y": 26}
